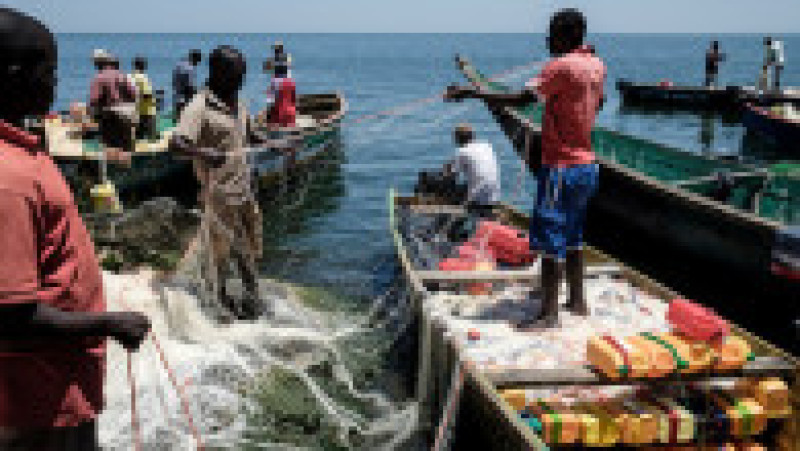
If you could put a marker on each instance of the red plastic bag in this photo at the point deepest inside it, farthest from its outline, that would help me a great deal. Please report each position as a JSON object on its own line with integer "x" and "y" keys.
{"x": 696, "y": 321}
{"x": 461, "y": 264}
{"x": 507, "y": 244}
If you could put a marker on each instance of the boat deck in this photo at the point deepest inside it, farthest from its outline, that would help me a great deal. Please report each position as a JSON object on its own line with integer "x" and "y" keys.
{"x": 470, "y": 346}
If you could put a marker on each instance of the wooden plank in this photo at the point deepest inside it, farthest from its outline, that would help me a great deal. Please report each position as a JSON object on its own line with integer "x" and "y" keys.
{"x": 506, "y": 274}
{"x": 424, "y": 209}
{"x": 761, "y": 366}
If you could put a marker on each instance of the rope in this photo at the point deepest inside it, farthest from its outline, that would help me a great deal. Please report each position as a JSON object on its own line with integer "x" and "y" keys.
{"x": 419, "y": 102}
{"x": 179, "y": 388}
{"x": 451, "y": 409}
{"x": 135, "y": 431}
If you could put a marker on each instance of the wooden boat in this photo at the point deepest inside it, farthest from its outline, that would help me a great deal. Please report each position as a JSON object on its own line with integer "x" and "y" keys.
{"x": 722, "y": 99}
{"x": 664, "y": 200}
{"x": 452, "y": 387}
{"x": 154, "y": 171}
{"x": 318, "y": 119}
{"x": 779, "y": 125}
{"x": 687, "y": 97}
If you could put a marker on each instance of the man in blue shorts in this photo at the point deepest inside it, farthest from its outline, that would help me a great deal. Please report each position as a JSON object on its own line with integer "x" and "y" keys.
{"x": 571, "y": 85}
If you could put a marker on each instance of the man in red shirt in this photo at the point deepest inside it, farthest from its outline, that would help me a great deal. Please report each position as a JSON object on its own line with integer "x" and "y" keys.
{"x": 53, "y": 322}
{"x": 571, "y": 85}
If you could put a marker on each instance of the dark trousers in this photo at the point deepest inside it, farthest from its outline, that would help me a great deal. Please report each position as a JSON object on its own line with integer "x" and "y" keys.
{"x": 115, "y": 132}
{"x": 146, "y": 129}
{"x": 711, "y": 79}
{"x": 777, "y": 81}
{"x": 78, "y": 438}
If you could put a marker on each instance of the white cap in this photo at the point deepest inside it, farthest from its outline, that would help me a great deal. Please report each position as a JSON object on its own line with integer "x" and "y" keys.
{"x": 101, "y": 55}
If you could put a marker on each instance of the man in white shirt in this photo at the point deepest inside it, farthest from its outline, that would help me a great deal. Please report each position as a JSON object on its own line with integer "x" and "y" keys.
{"x": 775, "y": 58}
{"x": 476, "y": 162}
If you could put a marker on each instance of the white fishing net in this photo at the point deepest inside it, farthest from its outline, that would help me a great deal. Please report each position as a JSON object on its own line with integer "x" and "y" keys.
{"x": 196, "y": 369}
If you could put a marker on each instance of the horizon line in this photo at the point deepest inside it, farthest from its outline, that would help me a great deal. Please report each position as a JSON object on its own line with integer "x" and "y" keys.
{"x": 771, "y": 32}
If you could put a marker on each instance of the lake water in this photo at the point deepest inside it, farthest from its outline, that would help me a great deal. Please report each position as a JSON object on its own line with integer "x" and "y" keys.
{"x": 334, "y": 235}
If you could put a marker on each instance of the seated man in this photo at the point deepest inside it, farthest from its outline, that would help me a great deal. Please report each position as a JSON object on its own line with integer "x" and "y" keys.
{"x": 476, "y": 162}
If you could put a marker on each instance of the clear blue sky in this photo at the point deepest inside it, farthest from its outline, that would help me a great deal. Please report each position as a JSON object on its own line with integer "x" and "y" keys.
{"x": 273, "y": 16}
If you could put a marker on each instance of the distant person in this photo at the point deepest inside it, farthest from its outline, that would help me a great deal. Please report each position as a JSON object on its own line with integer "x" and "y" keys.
{"x": 713, "y": 58}
{"x": 214, "y": 129}
{"x": 53, "y": 319}
{"x": 477, "y": 163}
{"x": 184, "y": 85}
{"x": 111, "y": 100}
{"x": 281, "y": 94}
{"x": 145, "y": 100}
{"x": 571, "y": 85}
{"x": 774, "y": 59}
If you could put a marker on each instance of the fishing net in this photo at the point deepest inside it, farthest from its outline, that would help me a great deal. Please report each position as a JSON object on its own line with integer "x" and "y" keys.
{"x": 269, "y": 383}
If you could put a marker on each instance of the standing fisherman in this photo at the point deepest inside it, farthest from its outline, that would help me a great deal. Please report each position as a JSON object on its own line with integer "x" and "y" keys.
{"x": 774, "y": 59}
{"x": 281, "y": 94}
{"x": 111, "y": 98}
{"x": 571, "y": 84}
{"x": 214, "y": 129}
{"x": 53, "y": 319}
{"x": 184, "y": 84}
{"x": 713, "y": 58}
{"x": 145, "y": 100}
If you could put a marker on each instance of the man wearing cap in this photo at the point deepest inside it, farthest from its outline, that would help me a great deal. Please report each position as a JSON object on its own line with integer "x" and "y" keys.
{"x": 53, "y": 320}
{"x": 109, "y": 92}
{"x": 184, "y": 84}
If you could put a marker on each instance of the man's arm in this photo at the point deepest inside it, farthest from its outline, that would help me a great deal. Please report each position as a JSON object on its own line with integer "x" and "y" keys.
{"x": 187, "y": 133}
{"x": 22, "y": 316}
{"x": 182, "y": 147}
{"x": 518, "y": 98}
{"x": 35, "y": 320}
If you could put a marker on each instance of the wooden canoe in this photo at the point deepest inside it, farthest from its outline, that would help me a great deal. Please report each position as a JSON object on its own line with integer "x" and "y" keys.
{"x": 659, "y": 197}
{"x": 155, "y": 172}
{"x": 484, "y": 420}
{"x": 318, "y": 119}
{"x": 720, "y": 99}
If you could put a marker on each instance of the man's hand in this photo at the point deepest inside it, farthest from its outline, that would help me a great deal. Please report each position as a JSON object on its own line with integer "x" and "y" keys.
{"x": 457, "y": 93}
{"x": 128, "y": 328}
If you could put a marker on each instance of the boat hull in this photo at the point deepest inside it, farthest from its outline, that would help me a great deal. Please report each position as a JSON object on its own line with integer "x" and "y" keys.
{"x": 781, "y": 133}
{"x": 680, "y": 97}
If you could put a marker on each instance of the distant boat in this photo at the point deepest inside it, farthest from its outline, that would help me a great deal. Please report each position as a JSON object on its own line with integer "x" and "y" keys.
{"x": 319, "y": 117}
{"x": 154, "y": 171}
{"x": 720, "y": 99}
{"x": 780, "y": 125}
{"x": 681, "y": 97}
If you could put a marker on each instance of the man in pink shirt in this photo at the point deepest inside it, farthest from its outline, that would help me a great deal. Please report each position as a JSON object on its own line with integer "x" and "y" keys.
{"x": 110, "y": 89}
{"x": 571, "y": 85}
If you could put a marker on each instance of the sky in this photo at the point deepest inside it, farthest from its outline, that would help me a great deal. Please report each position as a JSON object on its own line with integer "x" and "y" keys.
{"x": 411, "y": 16}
